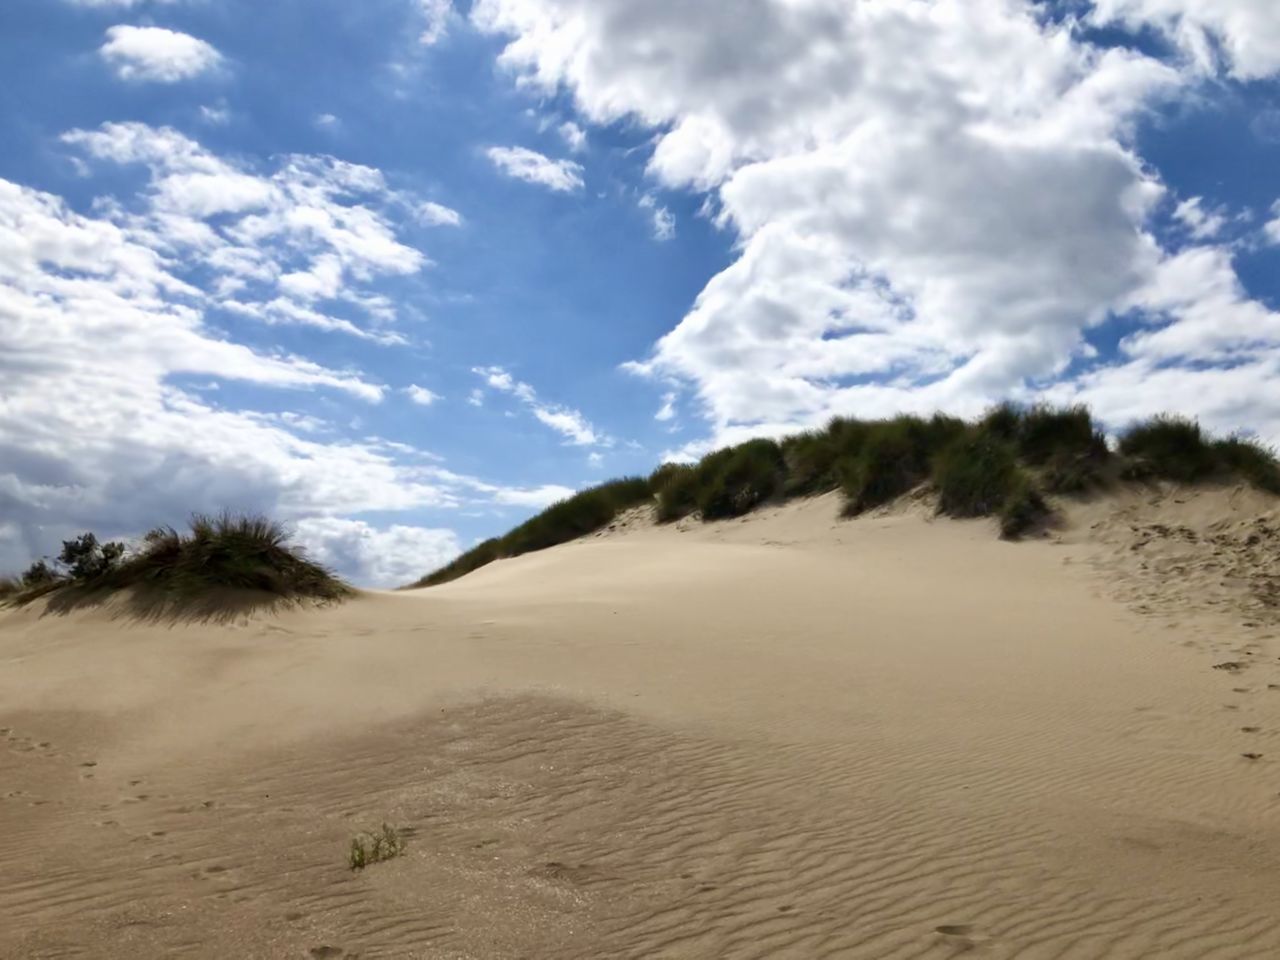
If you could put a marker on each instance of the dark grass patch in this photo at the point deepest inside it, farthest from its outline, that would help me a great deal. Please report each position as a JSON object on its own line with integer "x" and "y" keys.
{"x": 223, "y": 553}
{"x": 1250, "y": 460}
{"x": 1023, "y": 508}
{"x": 745, "y": 476}
{"x": 975, "y": 474}
{"x": 1169, "y": 448}
{"x": 675, "y": 485}
{"x": 893, "y": 457}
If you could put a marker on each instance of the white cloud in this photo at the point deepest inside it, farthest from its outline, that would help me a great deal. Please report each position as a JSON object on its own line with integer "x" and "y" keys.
{"x": 110, "y": 416}
{"x": 1243, "y": 33}
{"x": 521, "y": 163}
{"x": 535, "y": 497}
{"x": 313, "y": 230}
{"x": 573, "y": 135}
{"x": 934, "y": 203}
{"x": 421, "y": 395}
{"x": 157, "y": 54}
{"x": 1200, "y": 223}
{"x": 438, "y": 15}
{"x": 664, "y": 221}
{"x": 569, "y": 423}
{"x": 390, "y": 557}
{"x": 217, "y": 116}
{"x": 668, "y": 409}
{"x": 438, "y": 215}
{"x": 328, "y": 121}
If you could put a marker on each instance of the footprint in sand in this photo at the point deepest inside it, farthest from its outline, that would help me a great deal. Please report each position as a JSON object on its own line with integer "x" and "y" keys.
{"x": 1250, "y": 729}
{"x": 1252, "y": 756}
{"x": 327, "y": 952}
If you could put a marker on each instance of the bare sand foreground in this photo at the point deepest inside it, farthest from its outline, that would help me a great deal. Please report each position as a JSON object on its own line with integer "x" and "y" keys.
{"x": 786, "y": 737}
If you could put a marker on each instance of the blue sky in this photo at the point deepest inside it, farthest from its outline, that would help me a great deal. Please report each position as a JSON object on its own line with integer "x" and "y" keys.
{"x": 402, "y": 271}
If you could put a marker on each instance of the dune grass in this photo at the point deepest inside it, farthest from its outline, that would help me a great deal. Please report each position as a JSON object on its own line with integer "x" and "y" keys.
{"x": 561, "y": 522}
{"x": 225, "y": 552}
{"x": 370, "y": 848}
{"x": 1003, "y": 465}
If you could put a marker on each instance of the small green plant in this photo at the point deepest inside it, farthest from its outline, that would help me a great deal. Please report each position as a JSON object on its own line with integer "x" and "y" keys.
{"x": 86, "y": 559}
{"x": 369, "y": 848}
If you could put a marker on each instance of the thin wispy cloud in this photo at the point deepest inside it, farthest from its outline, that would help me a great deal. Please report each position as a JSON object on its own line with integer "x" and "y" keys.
{"x": 521, "y": 163}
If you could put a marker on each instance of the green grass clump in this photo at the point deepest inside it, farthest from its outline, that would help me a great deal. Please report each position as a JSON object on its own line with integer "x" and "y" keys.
{"x": 975, "y": 475}
{"x": 742, "y": 477}
{"x": 223, "y": 552}
{"x": 574, "y": 516}
{"x": 1023, "y": 508}
{"x": 1249, "y": 460}
{"x": 892, "y": 457}
{"x": 370, "y": 848}
{"x": 675, "y": 486}
{"x": 227, "y": 551}
{"x": 565, "y": 520}
{"x": 1171, "y": 448}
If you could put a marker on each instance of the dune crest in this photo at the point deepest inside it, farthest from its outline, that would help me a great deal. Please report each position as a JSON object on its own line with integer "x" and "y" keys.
{"x": 785, "y": 735}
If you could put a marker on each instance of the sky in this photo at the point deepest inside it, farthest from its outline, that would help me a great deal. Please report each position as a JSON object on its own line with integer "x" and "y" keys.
{"x": 402, "y": 272}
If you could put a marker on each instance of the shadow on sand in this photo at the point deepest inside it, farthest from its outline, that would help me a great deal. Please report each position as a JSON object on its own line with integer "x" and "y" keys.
{"x": 151, "y": 605}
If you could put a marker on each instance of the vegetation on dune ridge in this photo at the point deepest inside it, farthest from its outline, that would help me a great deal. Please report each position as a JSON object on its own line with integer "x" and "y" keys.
{"x": 227, "y": 552}
{"x": 1002, "y": 465}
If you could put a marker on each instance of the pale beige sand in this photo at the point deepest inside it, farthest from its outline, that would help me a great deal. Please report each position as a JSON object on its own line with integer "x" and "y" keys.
{"x": 786, "y": 737}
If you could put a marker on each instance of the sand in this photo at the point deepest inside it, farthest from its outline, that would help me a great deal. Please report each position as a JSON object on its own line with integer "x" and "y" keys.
{"x": 791, "y": 736}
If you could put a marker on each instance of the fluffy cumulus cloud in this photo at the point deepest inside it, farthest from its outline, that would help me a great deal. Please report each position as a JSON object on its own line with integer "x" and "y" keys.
{"x": 567, "y": 422}
{"x": 1241, "y": 35}
{"x": 387, "y": 557}
{"x": 113, "y": 375}
{"x": 521, "y": 163}
{"x": 934, "y": 203}
{"x": 157, "y": 54}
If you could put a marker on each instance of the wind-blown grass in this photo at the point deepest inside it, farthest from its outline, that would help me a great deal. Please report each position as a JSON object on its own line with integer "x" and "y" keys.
{"x": 226, "y": 552}
{"x": 1001, "y": 465}
{"x": 561, "y": 522}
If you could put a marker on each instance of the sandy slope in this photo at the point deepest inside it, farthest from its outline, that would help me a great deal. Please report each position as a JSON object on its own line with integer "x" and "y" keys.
{"x": 787, "y": 737}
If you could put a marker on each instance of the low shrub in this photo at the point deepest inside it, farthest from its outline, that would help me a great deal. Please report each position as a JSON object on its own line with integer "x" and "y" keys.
{"x": 85, "y": 559}
{"x": 1048, "y": 433}
{"x": 743, "y": 477}
{"x": 1171, "y": 448}
{"x": 1249, "y": 460}
{"x": 223, "y": 552}
{"x": 1023, "y": 508}
{"x": 675, "y": 485}
{"x": 228, "y": 551}
{"x": 893, "y": 457}
{"x": 975, "y": 475}
{"x": 370, "y": 848}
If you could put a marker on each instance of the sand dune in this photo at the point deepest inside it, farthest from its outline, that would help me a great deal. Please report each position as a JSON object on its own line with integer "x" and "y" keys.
{"x": 789, "y": 736}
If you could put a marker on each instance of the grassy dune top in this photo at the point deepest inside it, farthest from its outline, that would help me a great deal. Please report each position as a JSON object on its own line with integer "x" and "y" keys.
{"x": 1002, "y": 465}
{"x": 223, "y": 553}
